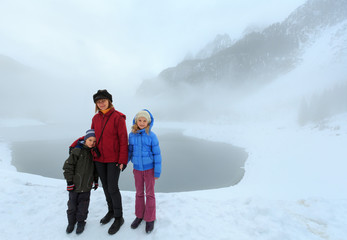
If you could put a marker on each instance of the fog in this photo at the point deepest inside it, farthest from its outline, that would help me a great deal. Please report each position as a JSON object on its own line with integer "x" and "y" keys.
{"x": 54, "y": 56}
{"x": 162, "y": 56}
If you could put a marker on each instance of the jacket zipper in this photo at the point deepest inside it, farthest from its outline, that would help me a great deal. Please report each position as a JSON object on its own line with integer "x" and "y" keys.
{"x": 141, "y": 151}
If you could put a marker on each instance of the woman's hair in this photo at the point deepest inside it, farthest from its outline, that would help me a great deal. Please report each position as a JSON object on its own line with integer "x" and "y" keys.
{"x": 110, "y": 105}
{"x": 136, "y": 128}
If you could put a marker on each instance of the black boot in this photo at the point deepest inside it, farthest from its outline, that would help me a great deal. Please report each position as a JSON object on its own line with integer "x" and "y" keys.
{"x": 149, "y": 226}
{"x": 80, "y": 227}
{"x": 70, "y": 227}
{"x": 118, "y": 222}
{"x": 107, "y": 218}
{"x": 136, "y": 223}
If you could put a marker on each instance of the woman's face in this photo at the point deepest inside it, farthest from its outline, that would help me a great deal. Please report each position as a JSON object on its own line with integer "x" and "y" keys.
{"x": 102, "y": 104}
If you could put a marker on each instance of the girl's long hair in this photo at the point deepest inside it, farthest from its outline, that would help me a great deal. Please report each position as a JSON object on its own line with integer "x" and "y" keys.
{"x": 110, "y": 105}
{"x": 136, "y": 128}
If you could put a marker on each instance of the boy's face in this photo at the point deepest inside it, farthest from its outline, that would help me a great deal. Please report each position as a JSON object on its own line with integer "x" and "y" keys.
{"x": 142, "y": 122}
{"x": 90, "y": 142}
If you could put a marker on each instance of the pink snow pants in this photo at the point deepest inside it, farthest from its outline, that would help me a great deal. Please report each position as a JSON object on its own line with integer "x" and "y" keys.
{"x": 145, "y": 210}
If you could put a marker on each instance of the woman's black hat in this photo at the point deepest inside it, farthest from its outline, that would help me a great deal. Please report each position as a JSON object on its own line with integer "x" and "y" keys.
{"x": 102, "y": 94}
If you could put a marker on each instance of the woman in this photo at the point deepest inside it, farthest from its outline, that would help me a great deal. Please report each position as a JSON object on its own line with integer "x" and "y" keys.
{"x": 112, "y": 143}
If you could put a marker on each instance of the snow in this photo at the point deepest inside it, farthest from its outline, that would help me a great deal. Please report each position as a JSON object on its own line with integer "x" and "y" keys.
{"x": 19, "y": 122}
{"x": 294, "y": 188}
{"x": 294, "y": 185}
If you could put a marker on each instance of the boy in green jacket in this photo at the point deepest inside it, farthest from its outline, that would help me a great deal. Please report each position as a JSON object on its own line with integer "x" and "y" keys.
{"x": 80, "y": 173}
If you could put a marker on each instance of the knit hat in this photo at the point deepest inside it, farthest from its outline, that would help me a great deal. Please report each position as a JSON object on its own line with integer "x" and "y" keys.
{"x": 89, "y": 133}
{"x": 102, "y": 94}
{"x": 144, "y": 114}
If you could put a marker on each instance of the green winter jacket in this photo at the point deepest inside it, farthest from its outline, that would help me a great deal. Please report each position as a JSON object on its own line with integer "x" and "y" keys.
{"x": 79, "y": 169}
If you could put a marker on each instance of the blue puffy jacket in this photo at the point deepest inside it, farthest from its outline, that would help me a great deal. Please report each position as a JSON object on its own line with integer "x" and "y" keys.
{"x": 144, "y": 151}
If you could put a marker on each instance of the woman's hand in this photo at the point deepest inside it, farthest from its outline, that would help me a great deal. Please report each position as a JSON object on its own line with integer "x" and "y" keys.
{"x": 120, "y": 166}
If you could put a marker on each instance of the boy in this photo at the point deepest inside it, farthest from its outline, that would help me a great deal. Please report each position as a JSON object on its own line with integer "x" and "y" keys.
{"x": 80, "y": 174}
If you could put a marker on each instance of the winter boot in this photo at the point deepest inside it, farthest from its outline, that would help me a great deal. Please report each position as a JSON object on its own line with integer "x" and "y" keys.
{"x": 80, "y": 227}
{"x": 70, "y": 227}
{"x": 149, "y": 226}
{"x": 107, "y": 218}
{"x": 118, "y": 222}
{"x": 136, "y": 223}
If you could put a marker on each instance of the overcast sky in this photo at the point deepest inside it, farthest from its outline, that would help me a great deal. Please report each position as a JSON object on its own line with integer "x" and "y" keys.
{"x": 125, "y": 41}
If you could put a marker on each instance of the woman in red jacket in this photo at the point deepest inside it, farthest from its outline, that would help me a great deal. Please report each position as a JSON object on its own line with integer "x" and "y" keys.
{"x": 112, "y": 142}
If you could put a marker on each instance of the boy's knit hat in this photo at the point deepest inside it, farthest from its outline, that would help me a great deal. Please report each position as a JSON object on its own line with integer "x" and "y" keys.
{"x": 102, "y": 94}
{"x": 144, "y": 114}
{"x": 89, "y": 133}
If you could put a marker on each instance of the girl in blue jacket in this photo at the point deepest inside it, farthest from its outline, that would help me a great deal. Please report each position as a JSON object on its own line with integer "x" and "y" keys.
{"x": 144, "y": 153}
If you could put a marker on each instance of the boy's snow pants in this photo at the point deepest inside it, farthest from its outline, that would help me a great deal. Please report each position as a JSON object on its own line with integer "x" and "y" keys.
{"x": 78, "y": 207}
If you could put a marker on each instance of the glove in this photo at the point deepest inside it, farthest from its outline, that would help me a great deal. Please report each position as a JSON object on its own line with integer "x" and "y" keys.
{"x": 96, "y": 185}
{"x": 96, "y": 152}
{"x": 70, "y": 186}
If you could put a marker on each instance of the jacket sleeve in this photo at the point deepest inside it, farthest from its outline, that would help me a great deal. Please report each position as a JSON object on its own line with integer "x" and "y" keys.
{"x": 69, "y": 167}
{"x": 123, "y": 140}
{"x": 92, "y": 126}
{"x": 130, "y": 148}
{"x": 156, "y": 155}
{"x": 96, "y": 176}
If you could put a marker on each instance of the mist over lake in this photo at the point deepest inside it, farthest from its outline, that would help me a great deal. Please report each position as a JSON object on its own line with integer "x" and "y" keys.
{"x": 188, "y": 163}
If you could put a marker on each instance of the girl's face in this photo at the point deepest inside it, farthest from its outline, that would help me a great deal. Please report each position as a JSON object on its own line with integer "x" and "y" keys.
{"x": 142, "y": 122}
{"x": 90, "y": 142}
{"x": 102, "y": 104}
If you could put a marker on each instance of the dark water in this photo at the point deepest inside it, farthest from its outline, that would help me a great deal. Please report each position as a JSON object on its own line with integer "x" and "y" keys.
{"x": 187, "y": 163}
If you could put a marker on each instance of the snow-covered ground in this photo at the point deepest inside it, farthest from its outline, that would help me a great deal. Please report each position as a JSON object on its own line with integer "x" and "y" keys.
{"x": 294, "y": 188}
{"x": 294, "y": 185}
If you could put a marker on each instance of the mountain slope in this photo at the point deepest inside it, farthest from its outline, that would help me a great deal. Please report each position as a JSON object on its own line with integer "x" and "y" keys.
{"x": 258, "y": 57}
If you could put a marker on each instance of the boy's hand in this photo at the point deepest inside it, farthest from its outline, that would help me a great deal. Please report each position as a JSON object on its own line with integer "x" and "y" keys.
{"x": 70, "y": 186}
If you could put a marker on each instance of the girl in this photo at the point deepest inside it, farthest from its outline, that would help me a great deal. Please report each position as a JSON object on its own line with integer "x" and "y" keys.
{"x": 144, "y": 152}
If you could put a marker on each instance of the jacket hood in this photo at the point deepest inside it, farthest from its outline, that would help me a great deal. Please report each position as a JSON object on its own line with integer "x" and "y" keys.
{"x": 80, "y": 144}
{"x": 152, "y": 119}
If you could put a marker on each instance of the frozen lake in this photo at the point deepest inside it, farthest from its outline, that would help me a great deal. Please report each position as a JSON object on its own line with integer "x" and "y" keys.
{"x": 188, "y": 163}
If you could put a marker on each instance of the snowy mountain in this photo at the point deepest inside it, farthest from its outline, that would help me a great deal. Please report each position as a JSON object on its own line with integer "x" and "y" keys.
{"x": 259, "y": 57}
{"x": 220, "y": 43}
{"x": 307, "y": 48}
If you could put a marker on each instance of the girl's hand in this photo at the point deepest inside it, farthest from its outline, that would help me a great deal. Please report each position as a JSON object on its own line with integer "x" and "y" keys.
{"x": 156, "y": 178}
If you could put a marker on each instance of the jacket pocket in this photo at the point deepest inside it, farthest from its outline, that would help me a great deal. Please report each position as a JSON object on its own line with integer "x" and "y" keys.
{"x": 77, "y": 180}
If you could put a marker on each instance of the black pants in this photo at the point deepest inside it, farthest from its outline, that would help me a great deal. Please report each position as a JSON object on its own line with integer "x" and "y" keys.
{"x": 109, "y": 175}
{"x": 78, "y": 207}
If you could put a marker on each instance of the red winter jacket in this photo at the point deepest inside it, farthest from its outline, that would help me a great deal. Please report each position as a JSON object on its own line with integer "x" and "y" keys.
{"x": 113, "y": 144}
